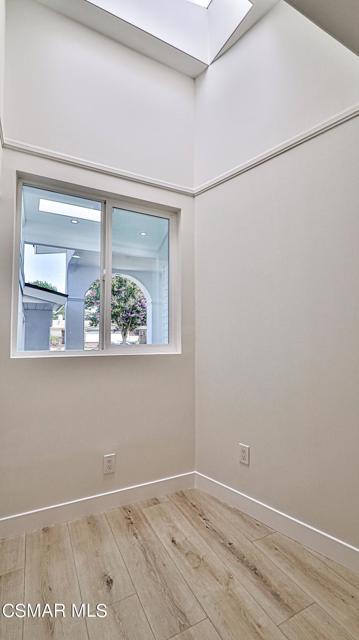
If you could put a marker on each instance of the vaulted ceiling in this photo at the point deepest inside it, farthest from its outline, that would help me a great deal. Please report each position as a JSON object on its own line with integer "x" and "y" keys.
{"x": 340, "y": 18}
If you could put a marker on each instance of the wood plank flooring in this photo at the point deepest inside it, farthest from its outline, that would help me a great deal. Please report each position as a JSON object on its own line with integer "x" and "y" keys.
{"x": 185, "y": 567}
{"x": 168, "y": 602}
{"x": 101, "y": 571}
{"x": 278, "y": 595}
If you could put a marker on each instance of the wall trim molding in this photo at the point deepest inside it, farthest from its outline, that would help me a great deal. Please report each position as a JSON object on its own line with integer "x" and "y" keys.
{"x": 287, "y": 145}
{"x": 72, "y": 509}
{"x": 308, "y": 535}
{"x": 81, "y": 163}
{"x": 303, "y": 137}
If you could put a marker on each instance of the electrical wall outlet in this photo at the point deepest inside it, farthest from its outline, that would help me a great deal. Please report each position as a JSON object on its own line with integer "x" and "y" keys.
{"x": 109, "y": 463}
{"x": 244, "y": 450}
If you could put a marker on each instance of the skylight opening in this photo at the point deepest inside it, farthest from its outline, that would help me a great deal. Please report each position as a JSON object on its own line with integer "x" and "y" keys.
{"x": 201, "y": 3}
{"x": 70, "y": 210}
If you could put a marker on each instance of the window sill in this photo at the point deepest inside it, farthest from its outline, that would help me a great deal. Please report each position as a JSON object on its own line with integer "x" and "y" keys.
{"x": 168, "y": 350}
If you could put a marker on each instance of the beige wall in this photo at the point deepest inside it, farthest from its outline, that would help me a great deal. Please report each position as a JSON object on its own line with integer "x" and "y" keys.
{"x": 282, "y": 78}
{"x": 277, "y": 274}
{"x": 2, "y": 67}
{"x": 59, "y": 416}
{"x": 277, "y": 342}
{"x": 74, "y": 91}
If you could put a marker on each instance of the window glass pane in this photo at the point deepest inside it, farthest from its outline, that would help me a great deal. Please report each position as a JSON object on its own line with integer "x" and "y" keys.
{"x": 59, "y": 262}
{"x": 139, "y": 300}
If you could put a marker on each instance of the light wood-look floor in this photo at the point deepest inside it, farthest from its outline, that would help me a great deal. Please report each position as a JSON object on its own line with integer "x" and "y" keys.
{"x": 185, "y": 567}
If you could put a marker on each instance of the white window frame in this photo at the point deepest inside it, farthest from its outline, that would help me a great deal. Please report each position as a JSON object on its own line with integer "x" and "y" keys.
{"x": 109, "y": 202}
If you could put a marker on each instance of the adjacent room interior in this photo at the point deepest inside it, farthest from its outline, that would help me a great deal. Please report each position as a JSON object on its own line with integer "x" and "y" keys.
{"x": 179, "y": 353}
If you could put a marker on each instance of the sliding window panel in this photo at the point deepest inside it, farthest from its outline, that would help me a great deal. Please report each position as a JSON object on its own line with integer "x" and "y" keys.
{"x": 140, "y": 279}
{"x": 59, "y": 272}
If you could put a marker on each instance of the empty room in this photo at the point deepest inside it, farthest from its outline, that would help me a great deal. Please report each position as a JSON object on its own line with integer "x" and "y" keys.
{"x": 179, "y": 325}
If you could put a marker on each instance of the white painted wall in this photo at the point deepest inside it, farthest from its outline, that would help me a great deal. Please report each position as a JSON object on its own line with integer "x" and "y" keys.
{"x": 277, "y": 273}
{"x": 2, "y": 53}
{"x": 282, "y": 78}
{"x": 74, "y": 91}
{"x": 2, "y": 67}
{"x": 58, "y": 417}
{"x": 277, "y": 268}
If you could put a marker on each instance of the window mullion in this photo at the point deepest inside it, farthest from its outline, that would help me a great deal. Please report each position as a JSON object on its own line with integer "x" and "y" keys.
{"x": 107, "y": 277}
{"x": 102, "y": 277}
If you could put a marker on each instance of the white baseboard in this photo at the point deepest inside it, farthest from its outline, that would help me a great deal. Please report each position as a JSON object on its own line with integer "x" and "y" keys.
{"x": 72, "y": 509}
{"x": 306, "y": 534}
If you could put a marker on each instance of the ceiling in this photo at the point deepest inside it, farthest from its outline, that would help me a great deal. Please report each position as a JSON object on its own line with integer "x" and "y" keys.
{"x": 340, "y": 18}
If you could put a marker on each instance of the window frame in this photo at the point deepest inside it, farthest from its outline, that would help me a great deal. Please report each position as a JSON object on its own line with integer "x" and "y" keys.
{"x": 108, "y": 203}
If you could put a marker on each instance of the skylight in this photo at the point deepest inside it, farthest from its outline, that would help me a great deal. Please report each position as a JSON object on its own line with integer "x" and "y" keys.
{"x": 187, "y": 35}
{"x": 201, "y": 3}
{"x": 70, "y": 210}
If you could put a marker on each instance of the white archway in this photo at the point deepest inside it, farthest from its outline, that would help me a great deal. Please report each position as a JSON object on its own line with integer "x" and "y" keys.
{"x": 148, "y": 299}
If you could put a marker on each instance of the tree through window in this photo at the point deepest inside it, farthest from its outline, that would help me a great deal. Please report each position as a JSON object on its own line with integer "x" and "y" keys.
{"x": 128, "y": 307}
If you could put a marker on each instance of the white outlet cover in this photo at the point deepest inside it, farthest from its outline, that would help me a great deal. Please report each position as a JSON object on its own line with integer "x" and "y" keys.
{"x": 109, "y": 463}
{"x": 244, "y": 451}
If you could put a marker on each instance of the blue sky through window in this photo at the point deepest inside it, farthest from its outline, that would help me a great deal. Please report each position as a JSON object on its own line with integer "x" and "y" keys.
{"x": 45, "y": 266}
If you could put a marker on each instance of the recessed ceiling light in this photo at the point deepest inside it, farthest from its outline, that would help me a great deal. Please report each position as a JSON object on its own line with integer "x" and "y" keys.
{"x": 69, "y": 210}
{"x": 74, "y": 221}
{"x": 143, "y": 233}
